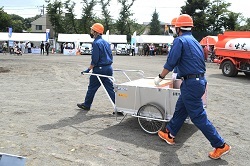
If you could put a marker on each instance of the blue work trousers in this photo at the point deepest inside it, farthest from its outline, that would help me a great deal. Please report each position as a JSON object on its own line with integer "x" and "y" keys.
{"x": 94, "y": 84}
{"x": 190, "y": 104}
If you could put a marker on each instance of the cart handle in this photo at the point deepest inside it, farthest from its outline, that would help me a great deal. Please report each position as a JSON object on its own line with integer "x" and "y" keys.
{"x": 124, "y": 72}
{"x": 98, "y": 77}
{"x": 113, "y": 80}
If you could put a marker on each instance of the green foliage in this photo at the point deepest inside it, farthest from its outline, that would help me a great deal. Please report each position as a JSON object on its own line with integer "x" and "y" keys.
{"x": 198, "y": 10}
{"x": 17, "y": 26}
{"x": 218, "y": 14}
{"x": 210, "y": 17}
{"x": 54, "y": 11}
{"x": 246, "y": 26}
{"x": 107, "y": 20}
{"x": 155, "y": 27}
{"x": 69, "y": 20}
{"x": 5, "y": 20}
{"x": 17, "y": 23}
{"x": 231, "y": 22}
{"x": 137, "y": 27}
{"x": 124, "y": 23}
{"x": 87, "y": 15}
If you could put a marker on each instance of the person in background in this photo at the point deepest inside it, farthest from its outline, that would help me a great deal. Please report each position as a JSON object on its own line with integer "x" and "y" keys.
{"x": 140, "y": 50}
{"x": 47, "y": 46}
{"x": 151, "y": 49}
{"x": 42, "y": 48}
{"x": 17, "y": 51}
{"x": 133, "y": 50}
{"x": 206, "y": 50}
{"x": 22, "y": 47}
{"x": 29, "y": 47}
{"x": 5, "y": 47}
{"x": 146, "y": 49}
{"x": 19, "y": 45}
{"x": 101, "y": 63}
{"x": 188, "y": 56}
{"x": 62, "y": 47}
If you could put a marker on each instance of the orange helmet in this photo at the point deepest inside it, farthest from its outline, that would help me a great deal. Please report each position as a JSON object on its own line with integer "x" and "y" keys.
{"x": 173, "y": 21}
{"x": 98, "y": 28}
{"x": 184, "y": 20}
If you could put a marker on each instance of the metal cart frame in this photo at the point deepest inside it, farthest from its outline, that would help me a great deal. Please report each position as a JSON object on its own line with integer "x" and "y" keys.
{"x": 152, "y": 115}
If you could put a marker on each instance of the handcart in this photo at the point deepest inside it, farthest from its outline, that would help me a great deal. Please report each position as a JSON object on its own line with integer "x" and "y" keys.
{"x": 152, "y": 105}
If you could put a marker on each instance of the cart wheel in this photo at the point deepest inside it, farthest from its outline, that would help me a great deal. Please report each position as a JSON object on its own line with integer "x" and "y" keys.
{"x": 151, "y": 126}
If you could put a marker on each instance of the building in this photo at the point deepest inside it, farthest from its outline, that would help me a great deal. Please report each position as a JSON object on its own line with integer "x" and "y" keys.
{"x": 41, "y": 24}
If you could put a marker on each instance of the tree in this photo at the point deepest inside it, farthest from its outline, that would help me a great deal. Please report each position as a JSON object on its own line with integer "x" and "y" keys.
{"x": 210, "y": 18}
{"x": 137, "y": 27}
{"x": 17, "y": 26}
{"x": 217, "y": 16}
{"x": 246, "y": 26}
{"x": 106, "y": 14}
{"x": 155, "y": 27}
{"x": 231, "y": 22}
{"x": 17, "y": 23}
{"x": 123, "y": 24}
{"x": 87, "y": 15}
{"x": 54, "y": 11}
{"x": 69, "y": 20}
{"x": 197, "y": 9}
{"x": 5, "y": 20}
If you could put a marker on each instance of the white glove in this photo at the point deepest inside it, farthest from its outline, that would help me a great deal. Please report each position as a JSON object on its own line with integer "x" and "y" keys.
{"x": 174, "y": 75}
{"x": 157, "y": 80}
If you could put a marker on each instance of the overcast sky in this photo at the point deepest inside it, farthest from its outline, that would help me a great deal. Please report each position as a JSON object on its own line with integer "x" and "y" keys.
{"x": 142, "y": 9}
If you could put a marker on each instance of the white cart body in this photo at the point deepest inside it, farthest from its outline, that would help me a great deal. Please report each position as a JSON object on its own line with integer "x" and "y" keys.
{"x": 152, "y": 105}
{"x": 132, "y": 95}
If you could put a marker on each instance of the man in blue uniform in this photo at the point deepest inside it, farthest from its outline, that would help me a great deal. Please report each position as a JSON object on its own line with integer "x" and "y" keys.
{"x": 101, "y": 61}
{"x": 188, "y": 56}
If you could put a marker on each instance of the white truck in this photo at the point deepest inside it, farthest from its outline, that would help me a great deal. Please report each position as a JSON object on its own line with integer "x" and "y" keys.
{"x": 86, "y": 49}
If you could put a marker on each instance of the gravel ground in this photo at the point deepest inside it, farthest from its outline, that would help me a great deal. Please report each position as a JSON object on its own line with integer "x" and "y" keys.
{"x": 40, "y": 120}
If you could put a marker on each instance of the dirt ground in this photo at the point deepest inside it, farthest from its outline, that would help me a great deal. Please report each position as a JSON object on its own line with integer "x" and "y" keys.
{"x": 40, "y": 120}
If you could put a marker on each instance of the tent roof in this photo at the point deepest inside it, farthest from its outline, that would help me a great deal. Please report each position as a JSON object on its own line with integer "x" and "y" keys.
{"x": 74, "y": 38}
{"x": 157, "y": 39}
{"x": 86, "y": 38}
{"x": 23, "y": 36}
{"x": 115, "y": 38}
{"x": 209, "y": 40}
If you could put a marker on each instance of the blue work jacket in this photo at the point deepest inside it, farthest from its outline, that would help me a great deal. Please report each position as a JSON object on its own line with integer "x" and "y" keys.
{"x": 101, "y": 53}
{"x": 187, "y": 55}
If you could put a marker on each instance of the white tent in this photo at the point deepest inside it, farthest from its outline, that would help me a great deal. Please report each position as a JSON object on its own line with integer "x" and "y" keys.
{"x": 156, "y": 39}
{"x": 4, "y": 36}
{"x": 87, "y": 39}
{"x": 115, "y": 38}
{"x": 74, "y": 38}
